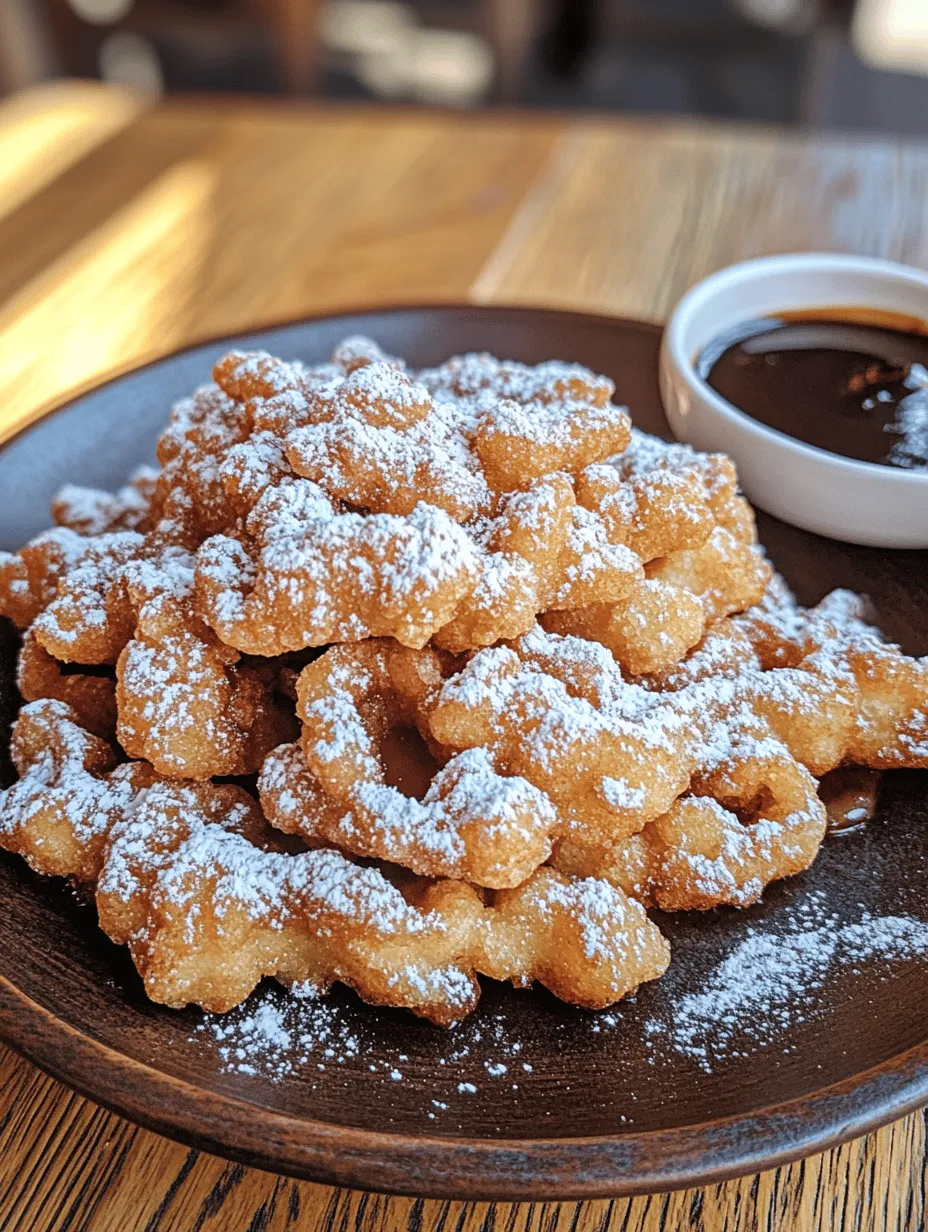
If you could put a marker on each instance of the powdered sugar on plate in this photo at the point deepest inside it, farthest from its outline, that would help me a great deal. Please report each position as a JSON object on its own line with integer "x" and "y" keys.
{"x": 772, "y": 979}
{"x": 276, "y": 1035}
{"x": 281, "y": 1034}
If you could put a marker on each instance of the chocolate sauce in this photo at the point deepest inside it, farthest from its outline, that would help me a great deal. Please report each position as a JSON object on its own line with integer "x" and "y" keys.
{"x": 850, "y": 796}
{"x": 856, "y": 386}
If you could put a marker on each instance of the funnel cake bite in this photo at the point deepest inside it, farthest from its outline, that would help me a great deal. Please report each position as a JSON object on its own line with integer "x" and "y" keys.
{"x": 69, "y": 793}
{"x": 304, "y": 574}
{"x": 378, "y": 438}
{"x": 662, "y": 496}
{"x": 543, "y": 551}
{"x": 114, "y": 634}
{"x": 556, "y": 711}
{"x": 207, "y": 913}
{"x": 90, "y": 511}
{"x": 90, "y": 693}
{"x": 187, "y": 703}
{"x": 887, "y": 691}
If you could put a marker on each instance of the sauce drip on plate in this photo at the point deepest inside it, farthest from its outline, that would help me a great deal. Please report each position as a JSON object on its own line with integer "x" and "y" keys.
{"x": 849, "y": 795}
{"x": 851, "y": 386}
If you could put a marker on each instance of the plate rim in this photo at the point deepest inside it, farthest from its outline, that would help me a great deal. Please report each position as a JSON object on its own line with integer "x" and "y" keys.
{"x": 601, "y": 1166}
{"x": 432, "y": 1166}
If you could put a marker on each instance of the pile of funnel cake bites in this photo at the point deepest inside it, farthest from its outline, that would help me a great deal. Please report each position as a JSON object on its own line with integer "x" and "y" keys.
{"x": 621, "y": 706}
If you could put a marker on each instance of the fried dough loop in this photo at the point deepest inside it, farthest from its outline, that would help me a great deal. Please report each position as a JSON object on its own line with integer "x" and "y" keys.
{"x": 373, "y": 435}
{"x": 69, "y": 793}
{"x": 763, "y": 822}
{"x": 883, "y": 693}
{"x": 557, "y": 712}
{"x": 207, "y": 914}
{"x": 190, "y": 501}
{"x": 89, "y": 618}
{"x": 472, "y": 824}
{"x": 618, "y": 759}
{"x": 542, "y": 551}
{"x": 187, "y": 703}
{"x": 379, "y": 441}
{"x": 89, "y": 693}
{"x": 618, "y": 705}
{"x": 658, "y": 496}
{"x": 117, "y": 632}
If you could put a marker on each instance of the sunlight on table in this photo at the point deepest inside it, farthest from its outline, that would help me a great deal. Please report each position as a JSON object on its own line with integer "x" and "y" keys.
{"x": 119, "y": 294}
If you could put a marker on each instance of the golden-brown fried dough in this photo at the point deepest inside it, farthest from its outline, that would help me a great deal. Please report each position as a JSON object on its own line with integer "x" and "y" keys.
{"x": 90, "y": 511}
{"x": 543, "y": 551}
{"x": 89, "y": 618}
{"x": 305, "y": 574}
{"x": 69, "y": 793}
{"x": 610, "y": 756}
{"x": 764, "y": 822}
{"x": 186, "y": 702}
{"x": 89, "y": 694}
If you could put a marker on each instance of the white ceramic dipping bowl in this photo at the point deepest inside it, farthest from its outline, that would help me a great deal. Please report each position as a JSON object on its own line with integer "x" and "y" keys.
{"x": 860, "y": 502}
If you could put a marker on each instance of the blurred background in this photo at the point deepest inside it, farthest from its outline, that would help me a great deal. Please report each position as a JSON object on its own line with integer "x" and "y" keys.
{"x": 847, "y": 64}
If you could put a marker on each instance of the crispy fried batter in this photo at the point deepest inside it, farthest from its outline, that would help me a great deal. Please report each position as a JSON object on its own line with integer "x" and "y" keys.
{"x": 875, "y": 696}
{"x": 90, "y": 695}
{"x": 664, "y": 617}
{"x": 378, "y": 440}
{"x": 91, "y": 511}
{"x": 543, "y": 551}
{"x": 659, "y": 498}
{"x": 724, "y": 650}
{"x": 352, "y": 696}
{"x": 206, "y": 913}
{"x": 186, "y": 879}
{"x": 727, "y": 574}
{"x": 472, "y": 823}
{"x": 89, "y": 618}
{"x": 190, "y": 502}
{"x": 610, "y": 756}
{"x": 30, "y": 577}
{"x": 651, "y": 630}
{"x": 69, "y": 793}
{"x": 763, "y": 821}
{"x": 374, "y": 436}
{"x": 452, "y": 531}
{"x": 304, "y": 574}
{"x": 186, "y": 702}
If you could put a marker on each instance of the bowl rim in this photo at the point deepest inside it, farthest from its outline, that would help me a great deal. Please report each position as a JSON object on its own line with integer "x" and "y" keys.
{"x": 675, "y": 357}
{"x": 497, "y": 1169}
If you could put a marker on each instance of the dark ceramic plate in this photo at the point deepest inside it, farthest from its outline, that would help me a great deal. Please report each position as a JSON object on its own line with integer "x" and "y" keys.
{"x": 529, "y": 1098}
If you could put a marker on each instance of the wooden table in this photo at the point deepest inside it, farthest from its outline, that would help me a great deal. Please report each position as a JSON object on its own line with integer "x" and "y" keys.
{"x": 125, "y": 232}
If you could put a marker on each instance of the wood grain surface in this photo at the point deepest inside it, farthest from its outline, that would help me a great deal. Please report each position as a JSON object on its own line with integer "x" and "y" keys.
{"x": 124, "y": 233}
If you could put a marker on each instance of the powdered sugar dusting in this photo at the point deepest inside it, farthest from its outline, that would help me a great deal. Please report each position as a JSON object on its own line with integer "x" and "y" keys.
{"x": 772, "y": 979}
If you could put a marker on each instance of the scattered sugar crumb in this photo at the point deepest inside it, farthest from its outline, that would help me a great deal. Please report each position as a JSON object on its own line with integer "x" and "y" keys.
{"x": 770, "y": 980}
